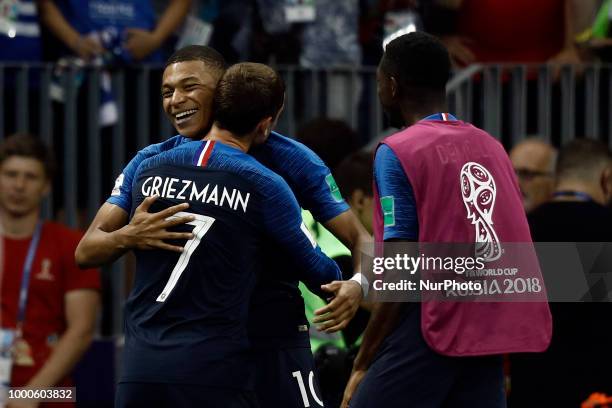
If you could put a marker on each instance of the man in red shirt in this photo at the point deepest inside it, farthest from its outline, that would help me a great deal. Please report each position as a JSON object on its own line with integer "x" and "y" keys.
{"x": 54, "y": 318}
{"x": 519, "y": 31}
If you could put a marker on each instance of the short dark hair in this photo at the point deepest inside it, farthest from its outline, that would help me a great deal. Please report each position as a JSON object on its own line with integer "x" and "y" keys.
{"x": 582, "y": 159}
{"x": 355, "y": 173}
{"x": 417, "y": 61}
{"x": 246, "y": 94}
{"x": 26, "y": 145}
{"x": 211, "y": 57}
{"x": 331, "y": 139}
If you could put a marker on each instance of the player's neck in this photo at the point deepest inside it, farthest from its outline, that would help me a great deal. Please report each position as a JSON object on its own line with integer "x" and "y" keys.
{"x": 18, "y": 226}
{"x": 228, "y": 138}
{"x": 413, "y": 112}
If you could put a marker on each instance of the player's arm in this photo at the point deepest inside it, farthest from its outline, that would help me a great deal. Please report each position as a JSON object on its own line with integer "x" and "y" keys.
{"x": 337, "y": 314}
{"x": 316, "y": 190}
{"x": 53, "y": 19}
{"x": 396, "y": 198}
{"x": 383, "y": 319}
{"x": 140, "y": 43}
{"x": 81, "y": 308}
{"x": 108, "y": 237}
{"x": 283, "y": 222}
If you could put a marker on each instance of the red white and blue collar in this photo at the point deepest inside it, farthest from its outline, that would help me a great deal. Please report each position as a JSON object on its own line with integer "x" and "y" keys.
{"x": 203, "y": 153}
{"x": 445, "y": 117}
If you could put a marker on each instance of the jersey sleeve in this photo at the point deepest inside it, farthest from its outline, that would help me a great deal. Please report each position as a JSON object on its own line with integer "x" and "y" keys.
{"x": 122, "y": 192}
{"x": 396, "y": 196}
{"x": 307, "y": 175}
{"x": 283, "y": 222}
{"x": 74, "y": 277}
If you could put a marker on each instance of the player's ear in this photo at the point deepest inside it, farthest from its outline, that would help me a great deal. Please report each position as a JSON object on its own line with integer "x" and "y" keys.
{"x": 265, "y": 125}
{"x": 356, "y": 199}
{"x": 394, "y": 87}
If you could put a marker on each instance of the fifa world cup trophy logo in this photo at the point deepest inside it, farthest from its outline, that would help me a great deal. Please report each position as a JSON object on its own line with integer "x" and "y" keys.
{"x": 478, "y": 191}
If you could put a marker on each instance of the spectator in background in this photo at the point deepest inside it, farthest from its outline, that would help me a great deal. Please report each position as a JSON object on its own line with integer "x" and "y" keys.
{"x": 331, "y": 139}
{"x": 583, "y": 189}
{"x": 354, "y": 177}
{"x": 486, "y": 30}
{"x": 19, "y": 31}
{"x": 579, "y": 358}
{"x": 20, "y": 42}
{"x": 127, "y": 30}
{"x": 48, "y": 303}
{"x": 330, "y": 41}
{"x": 534, "y": 163}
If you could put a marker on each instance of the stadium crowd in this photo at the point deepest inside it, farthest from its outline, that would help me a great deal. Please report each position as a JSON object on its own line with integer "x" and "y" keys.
{"x": 314, "y": 338}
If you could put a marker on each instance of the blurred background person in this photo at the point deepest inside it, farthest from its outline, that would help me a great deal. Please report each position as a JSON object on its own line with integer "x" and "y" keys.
{"x": 579, "y": 358}
{"x": 534, "y": 163}
{"x": 46, "y": 300}
{"x": 128, "y": 30}
{"x": 334, "y": 353}
{"x": 331, "y": 139}
{"x": 578, "y": 210}
{"x": 485, "y": 30}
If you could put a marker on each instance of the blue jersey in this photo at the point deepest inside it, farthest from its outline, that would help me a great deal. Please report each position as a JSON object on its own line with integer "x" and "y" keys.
{"x": 186, "y": 317}
{"x": 395, "y": 191}
{"x": 277, "y": 293}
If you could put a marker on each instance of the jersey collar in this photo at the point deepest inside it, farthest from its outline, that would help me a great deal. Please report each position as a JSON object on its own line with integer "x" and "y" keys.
{"x": 446, "y": 117}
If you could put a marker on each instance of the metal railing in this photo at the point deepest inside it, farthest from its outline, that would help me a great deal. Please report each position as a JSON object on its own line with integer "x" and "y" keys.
{"x": 509, "y": 101}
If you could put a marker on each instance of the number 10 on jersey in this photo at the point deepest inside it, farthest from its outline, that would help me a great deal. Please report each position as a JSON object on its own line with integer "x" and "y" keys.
{"x": 202, "y": 224}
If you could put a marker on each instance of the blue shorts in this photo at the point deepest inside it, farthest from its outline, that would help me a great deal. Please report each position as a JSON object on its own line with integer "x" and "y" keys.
{"x": 407, "y": 373}
{"x": 162, "y": 395}
{"x": 286, "y": 378}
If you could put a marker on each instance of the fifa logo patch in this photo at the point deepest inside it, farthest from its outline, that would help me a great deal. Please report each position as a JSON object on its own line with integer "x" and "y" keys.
{"x": 479, "y": 191}
{"x": 333, "y": 188}
{"x": 387, "y": 205}
{"x": 118, "y": 183}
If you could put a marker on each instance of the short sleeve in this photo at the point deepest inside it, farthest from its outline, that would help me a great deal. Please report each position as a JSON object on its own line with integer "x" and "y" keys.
{"x": 121, "y": 195}
{"x": 307, "y": 175}
{"x": 397, "y": 201}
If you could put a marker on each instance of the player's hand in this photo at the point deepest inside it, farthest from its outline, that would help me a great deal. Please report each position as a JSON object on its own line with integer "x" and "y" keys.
{"x": 141, "y": 43}
{"x": 149, "y": 230}
{"x": 339, "y": 312}
{"x": 351, "y": 386}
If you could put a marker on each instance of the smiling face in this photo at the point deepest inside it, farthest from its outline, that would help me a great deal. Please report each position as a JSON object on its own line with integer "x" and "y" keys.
{"x": 187, "y": 92}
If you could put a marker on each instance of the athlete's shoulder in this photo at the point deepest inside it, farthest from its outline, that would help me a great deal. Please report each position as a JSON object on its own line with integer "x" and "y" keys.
{"x": 278, "y": 142}
{"x": 183, "y": 154}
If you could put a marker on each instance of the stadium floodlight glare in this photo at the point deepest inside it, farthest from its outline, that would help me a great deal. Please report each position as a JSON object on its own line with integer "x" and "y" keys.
{"x": 404, "y": 30}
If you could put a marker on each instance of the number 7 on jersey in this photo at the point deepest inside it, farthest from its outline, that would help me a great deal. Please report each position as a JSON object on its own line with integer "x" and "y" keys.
{"x": 202, "y": 224}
